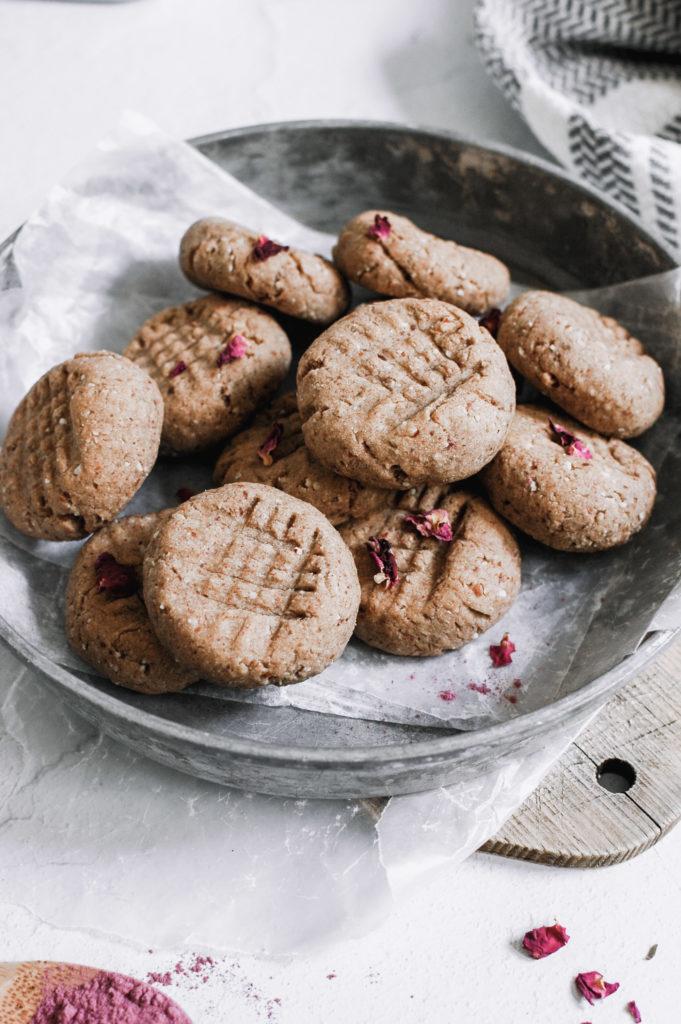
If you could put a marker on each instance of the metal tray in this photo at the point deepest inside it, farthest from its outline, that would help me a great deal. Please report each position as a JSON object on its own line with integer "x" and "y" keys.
{"x": 551, "y": 231}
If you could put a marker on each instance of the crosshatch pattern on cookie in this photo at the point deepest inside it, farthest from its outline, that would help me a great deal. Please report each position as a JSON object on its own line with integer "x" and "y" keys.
{"x": 79, "y": 445}
{"x": 403, "y": 391}
{"x": 255, "y": 585}
{"x": 207, "y": 398}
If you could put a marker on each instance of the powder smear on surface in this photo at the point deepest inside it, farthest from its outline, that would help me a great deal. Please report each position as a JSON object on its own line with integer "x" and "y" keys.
{"x": 107, "y": 999}
{"x": 195, "y": 970}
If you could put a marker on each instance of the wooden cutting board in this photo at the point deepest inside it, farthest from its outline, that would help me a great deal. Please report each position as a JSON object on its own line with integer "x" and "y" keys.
{"x": 571, "y": 820}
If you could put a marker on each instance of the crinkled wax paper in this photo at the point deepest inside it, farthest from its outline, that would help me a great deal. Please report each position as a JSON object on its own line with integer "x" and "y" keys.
{"x": 94, "y": 837}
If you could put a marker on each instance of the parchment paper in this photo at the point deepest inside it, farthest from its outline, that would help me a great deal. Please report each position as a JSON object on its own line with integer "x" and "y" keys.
{"x": 101, "y": 255}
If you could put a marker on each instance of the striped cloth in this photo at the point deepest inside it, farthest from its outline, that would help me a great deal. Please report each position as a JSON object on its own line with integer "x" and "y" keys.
{"x": 599, "y": 83}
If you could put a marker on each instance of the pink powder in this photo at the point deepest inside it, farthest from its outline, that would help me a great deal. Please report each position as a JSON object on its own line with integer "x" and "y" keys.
{"x": 107, "y": 999}
{"x": 479, "y": 687}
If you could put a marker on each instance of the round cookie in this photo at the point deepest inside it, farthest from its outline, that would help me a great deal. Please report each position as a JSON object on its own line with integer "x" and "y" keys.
{"x": 389, "y": 254}
{"x": 292, "y": 467}
{"x": 226, "y": 257}
{"x": 215, "y": 360}
{"x": 405, "y": 392}
{"x": 447, "y": 591}
{"x": 79, "y": 445}
{"x": 251, "y": 586}
{"x": 569, "y": 488}
{"x": 586, "y": 363}
{"x": 106, "y": 620}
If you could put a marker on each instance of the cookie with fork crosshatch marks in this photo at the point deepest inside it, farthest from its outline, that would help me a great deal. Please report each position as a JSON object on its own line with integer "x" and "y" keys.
{"x": 106, "y": 619}
{"x": 291, "y": 467}
{"x": 405, "y": 392}
{"x": 391, "y": 255}
{"x": 449, "y": 569}
{"x": 225, "y": 257}
{"x": 250, "y": 586}
{"x": 215, "y": 360}
{"x": 79, "y": 445}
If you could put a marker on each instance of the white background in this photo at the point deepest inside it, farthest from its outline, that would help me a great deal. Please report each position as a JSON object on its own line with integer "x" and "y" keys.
{"x": 449, "y": 951}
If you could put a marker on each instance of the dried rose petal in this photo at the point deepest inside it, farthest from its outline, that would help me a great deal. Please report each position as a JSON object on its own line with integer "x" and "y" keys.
{"x": 185, "y": 493}
{"x": 501, "y": 653}
{"x": 265, "y": 247}
{"x": 118, "y": 580}
{"x": 432, "y": 524}
{"x": 593, "y": 985}
{"x": 178, "y": 368}
{"x": 381, "y": 551}
{"x": 447, "y": 695}
{"x": 634, "y": 1011}
{"x": 491, "y": 321}
{"x": 381, "y": 227}
{"x": 570, "y": 442}
{"x": 270, "y": 443}
{"x": 544, "y": 941}
{"x": 234, "y": 349}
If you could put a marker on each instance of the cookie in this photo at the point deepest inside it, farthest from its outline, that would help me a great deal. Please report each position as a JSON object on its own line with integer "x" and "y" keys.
{"x": 405, "y": 392}
{"x": 568, "y": 487}
{"x": 437, "y": 594}
{"x": 251, "y": 586}
{"x": 106, "y": 620}
{"x": 290, "y": 466}
{"x": 390, "y": 255}
{"x": 79, "y": 445}
{"x": 225, "y": 257}
{"x": 215, "y": 361}
{"x": 586, "y": 363}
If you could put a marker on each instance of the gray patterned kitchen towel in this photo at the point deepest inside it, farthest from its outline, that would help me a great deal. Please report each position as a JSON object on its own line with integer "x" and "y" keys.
{"x": 599, "y": 83}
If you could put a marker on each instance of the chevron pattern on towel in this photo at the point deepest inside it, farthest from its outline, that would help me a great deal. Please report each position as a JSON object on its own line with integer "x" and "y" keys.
{"x": 599, "y": 83}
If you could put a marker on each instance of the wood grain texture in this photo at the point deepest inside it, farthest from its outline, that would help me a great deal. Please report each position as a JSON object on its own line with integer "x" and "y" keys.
{"x": 571, "y": 820}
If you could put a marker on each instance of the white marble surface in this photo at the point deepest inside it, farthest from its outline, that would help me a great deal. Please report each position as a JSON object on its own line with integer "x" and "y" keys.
{"x": 448, "y": 951}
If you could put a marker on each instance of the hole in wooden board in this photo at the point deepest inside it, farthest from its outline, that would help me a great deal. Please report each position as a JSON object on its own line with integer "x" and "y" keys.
{"x": 616, "y": 776}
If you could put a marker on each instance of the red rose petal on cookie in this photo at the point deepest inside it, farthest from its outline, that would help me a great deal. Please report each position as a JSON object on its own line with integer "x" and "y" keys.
{"x": 501, "y": 653}
{"x": 118, "y": 580}
{"x": 593, "y": 986}
{"x": 634, "y": 1011}
{"x": 544, "y": 941}
{"x": 178, "y": 368}
{"x": 234, "y": 349}
{"x": 381, "y": 551}
{"x": 265, "y": 247}
{"x": 447, "y": 695}
{"x": 270, "y": 443}
{"x": 570, "y": 442}
{"x": 381, "y": 227}
{"x": 432, "y": 524}
{"x": 491, "y": 321}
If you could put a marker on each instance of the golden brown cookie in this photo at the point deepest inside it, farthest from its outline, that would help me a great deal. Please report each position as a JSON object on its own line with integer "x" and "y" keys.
{"x": 388, "y": 253}
{"x": 79, "y": 445}
{"x": 405, "y": 392}
{"x": 251, "y": 586}
{"x": 226, "y": 257}
{"x": 106, "y": 620}
{"x": 586, "y": 363}
{"x": 567, "y": 486}
{"x": 435, "y": 574}
{"x": 289, "y": 465}
{"x": 215, "y": 361}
